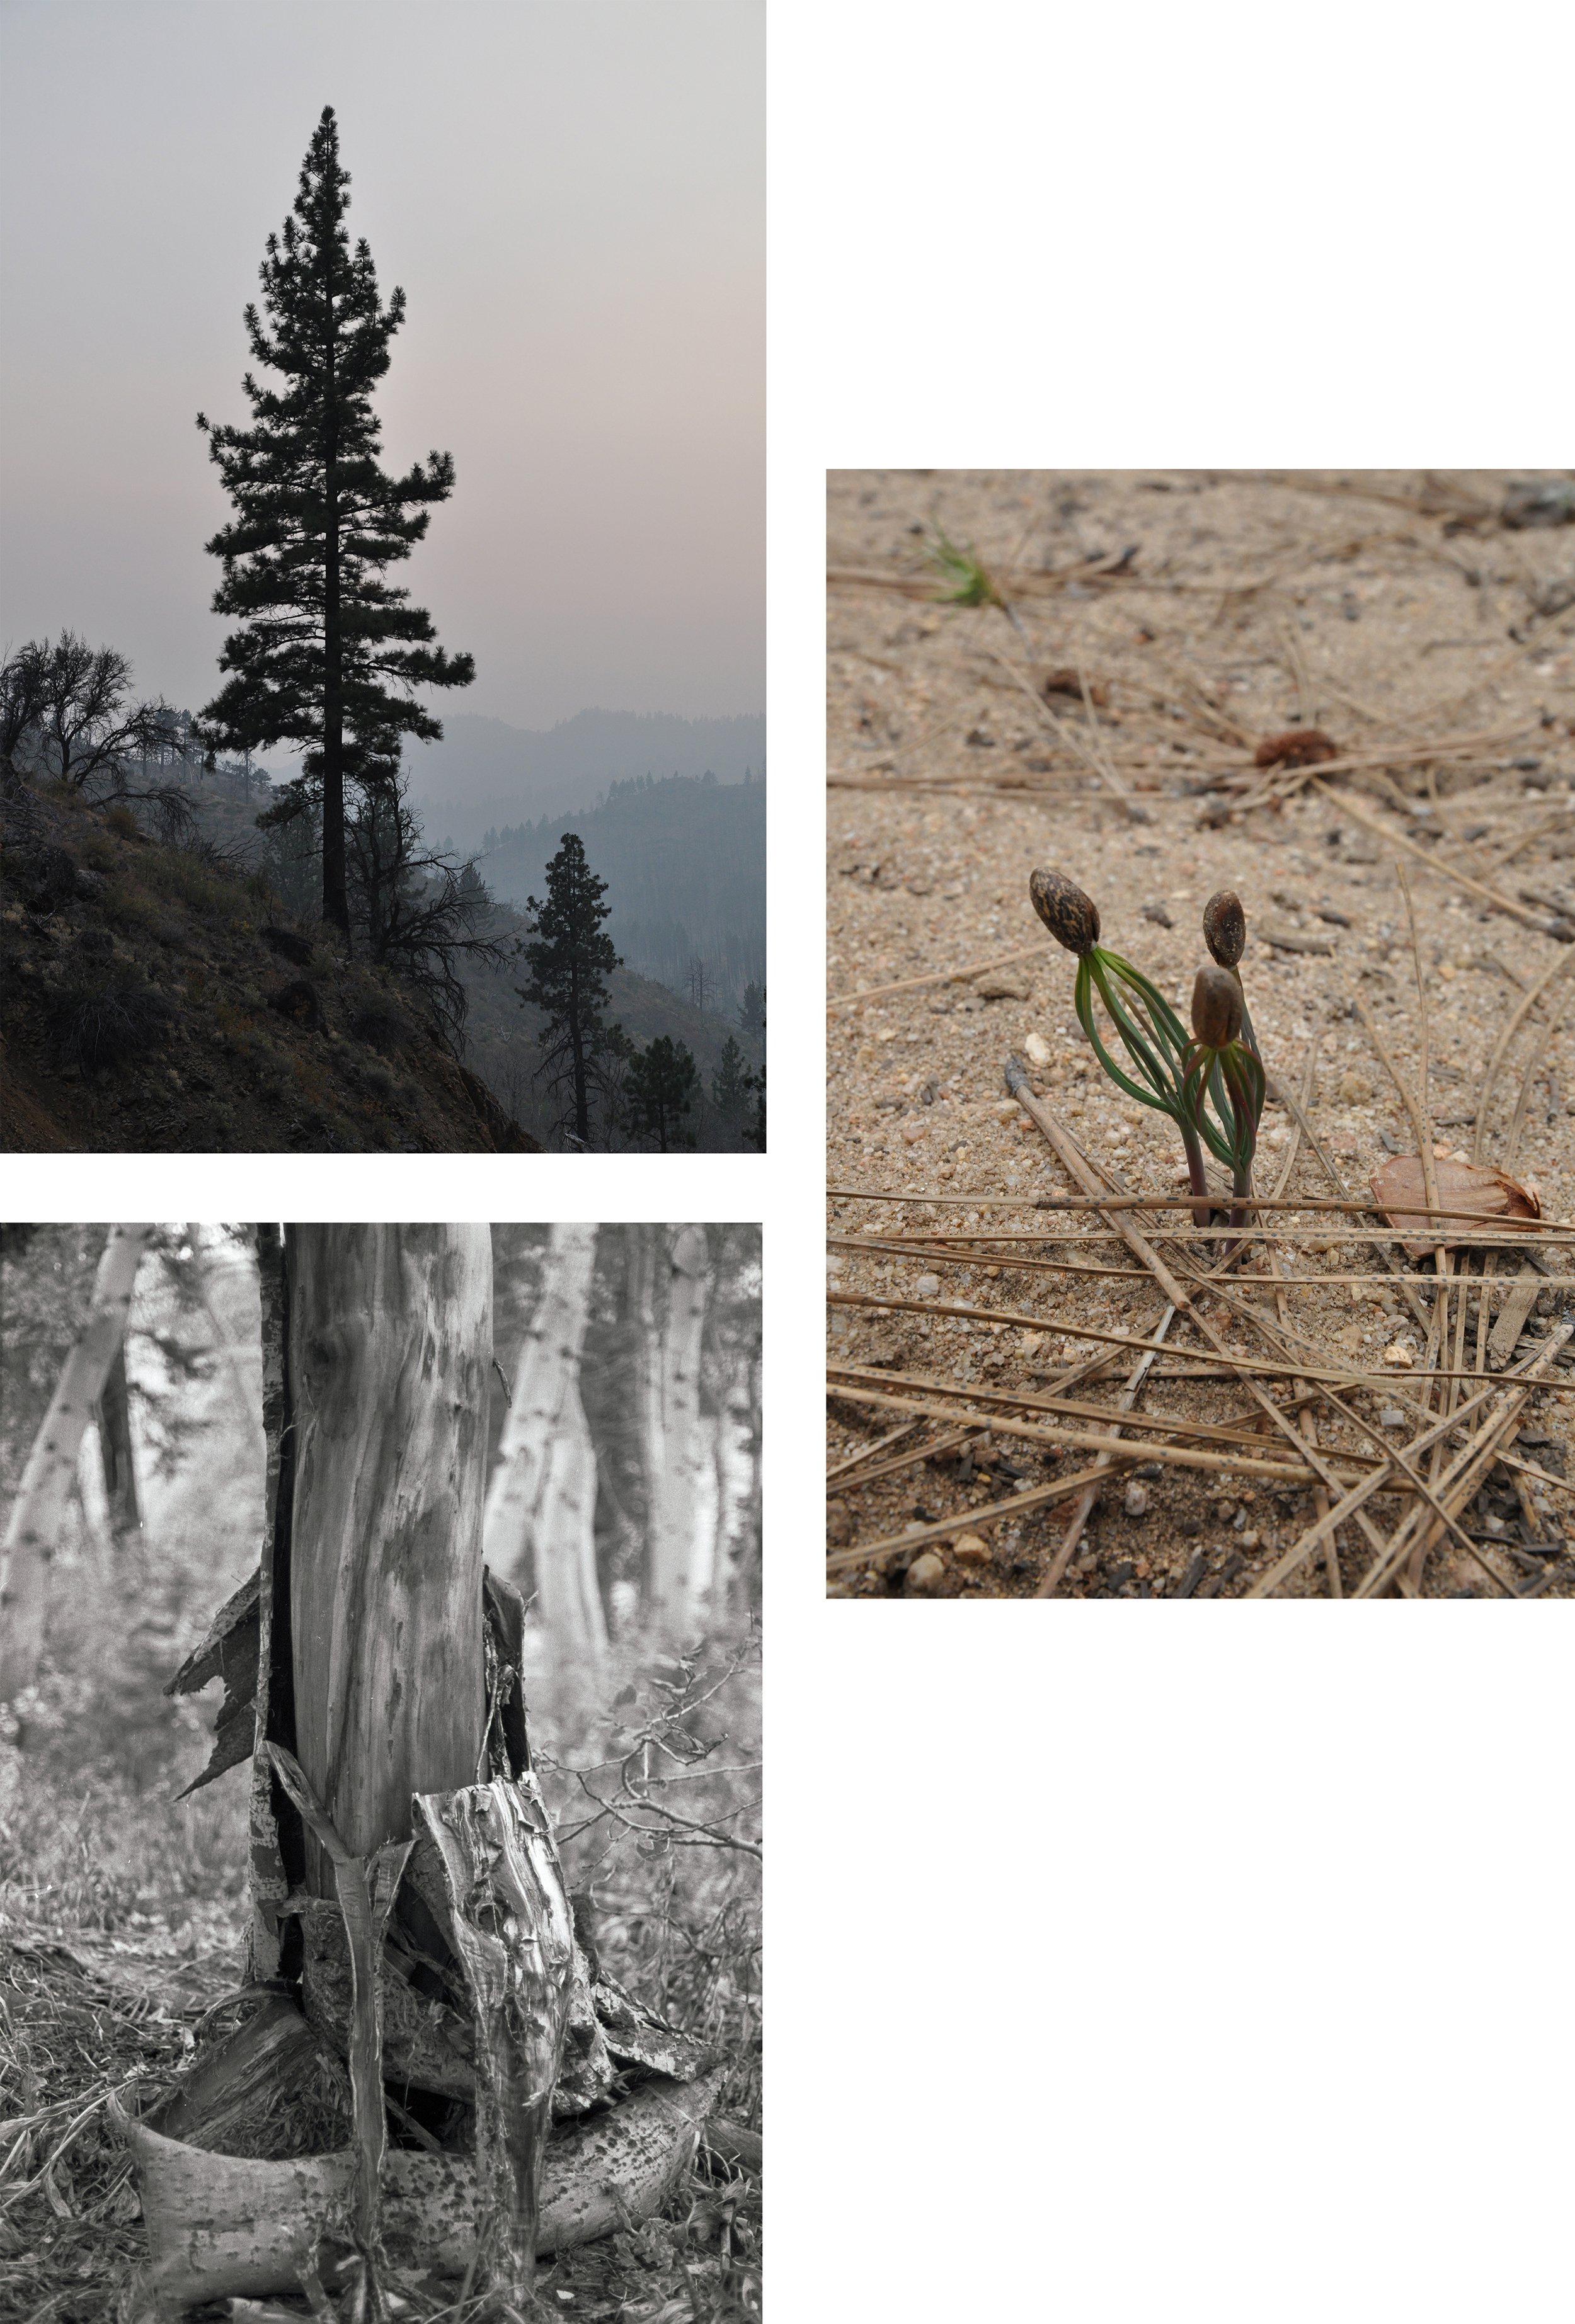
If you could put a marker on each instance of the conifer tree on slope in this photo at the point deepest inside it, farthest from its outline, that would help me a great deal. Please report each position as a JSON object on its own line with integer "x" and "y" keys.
{"x": 568, "y": 957}
{"x": 327, "y": 652}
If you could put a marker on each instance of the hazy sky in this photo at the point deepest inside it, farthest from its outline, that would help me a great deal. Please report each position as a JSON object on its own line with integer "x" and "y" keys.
{"x": 572, "y": 196}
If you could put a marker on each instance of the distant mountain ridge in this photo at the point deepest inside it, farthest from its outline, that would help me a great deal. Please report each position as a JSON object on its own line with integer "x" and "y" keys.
{"x": 684, "y": 861}
{"x": 485, "y": 772}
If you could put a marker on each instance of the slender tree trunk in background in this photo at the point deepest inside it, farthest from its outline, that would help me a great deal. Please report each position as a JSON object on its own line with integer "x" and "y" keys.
{"x": 271, "y": 1880}
{"x": 390, "y": 1347}
{"x": 52, "y": 1465}
{"x": 749, "y": 1560}
{"x": 126, "y": 1515}
{"x": 540, "y": 1504}
{"x": 645, "y": 1246}
{"x": 735, "y": 1480}
{"x": 677, "y": 1552}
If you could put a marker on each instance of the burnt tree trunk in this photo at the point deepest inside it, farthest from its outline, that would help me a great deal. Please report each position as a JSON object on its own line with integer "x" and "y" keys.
{"x": 390, "y": 1344}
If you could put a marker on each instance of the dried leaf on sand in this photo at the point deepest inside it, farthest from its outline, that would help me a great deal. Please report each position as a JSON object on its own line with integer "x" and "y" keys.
{"x": 1482, "y": 1193}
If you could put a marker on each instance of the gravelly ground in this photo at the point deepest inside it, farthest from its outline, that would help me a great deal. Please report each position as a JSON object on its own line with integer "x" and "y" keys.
{"x": 1381, "y": 623}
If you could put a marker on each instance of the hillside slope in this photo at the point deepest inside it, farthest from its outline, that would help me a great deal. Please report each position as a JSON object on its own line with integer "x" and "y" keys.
{"x": 148, "y": 1005}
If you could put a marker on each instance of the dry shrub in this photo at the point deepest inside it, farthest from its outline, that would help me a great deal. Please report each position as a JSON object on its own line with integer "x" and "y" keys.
{"x": 100, "y": 1025}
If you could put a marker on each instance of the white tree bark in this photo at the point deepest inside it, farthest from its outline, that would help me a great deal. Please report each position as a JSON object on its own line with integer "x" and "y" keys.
{"x": 734, "y": 1480}
{"x": 680, "y": 1552}
{"x": 47, "y": 1480}
{"x": 540, "y": 1504}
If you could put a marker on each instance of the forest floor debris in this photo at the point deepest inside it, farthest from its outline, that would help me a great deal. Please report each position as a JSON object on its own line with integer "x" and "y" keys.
{"x": 1407, "y": 624}
{"x": 116, "y": 1945}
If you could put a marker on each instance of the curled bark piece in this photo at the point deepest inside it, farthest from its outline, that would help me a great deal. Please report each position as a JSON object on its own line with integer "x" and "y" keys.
{"x": 230, "y": 1652}
{"x": 511, "y": 1932}
{"x": 263, "y": 2090}
{"x": 222, "y": 2227}
{"x": 367, "y": 1886}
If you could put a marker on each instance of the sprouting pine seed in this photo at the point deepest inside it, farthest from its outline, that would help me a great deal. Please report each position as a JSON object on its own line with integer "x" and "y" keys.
{"x": 1216, "y": 1008}
{"x": 1224, "y": 926}
{"x": 1072, "y": 916}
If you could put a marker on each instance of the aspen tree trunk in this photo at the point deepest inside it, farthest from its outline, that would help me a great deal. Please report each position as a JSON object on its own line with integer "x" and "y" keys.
{"x": 389, "y": 1351}
{"x": 646, "y": 1257}
{"x": 735, "y": 1481}
{"x": 540, "y": 1523}
{"x": 52, "y": 1465}
{"x": 677, "y": 1552}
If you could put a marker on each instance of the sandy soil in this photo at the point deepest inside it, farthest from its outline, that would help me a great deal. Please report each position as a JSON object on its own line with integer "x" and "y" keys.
{"x": 1400, "y": 615}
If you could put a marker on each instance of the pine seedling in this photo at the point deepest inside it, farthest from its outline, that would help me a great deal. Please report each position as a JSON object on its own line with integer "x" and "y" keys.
{"x": 1225, "y": 934}
{"x": 1221, "y": 1067}
{"x": 1153, "y": 1034}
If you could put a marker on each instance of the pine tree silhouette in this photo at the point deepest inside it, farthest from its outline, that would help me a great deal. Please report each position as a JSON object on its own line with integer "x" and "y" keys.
{"x": 663, "y": 1079}
{"x": 568, "y": 959}
{"x": 328, "y": 652}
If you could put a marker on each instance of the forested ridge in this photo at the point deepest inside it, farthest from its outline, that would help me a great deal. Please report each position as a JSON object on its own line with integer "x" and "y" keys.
{"x": 684, "y": 861}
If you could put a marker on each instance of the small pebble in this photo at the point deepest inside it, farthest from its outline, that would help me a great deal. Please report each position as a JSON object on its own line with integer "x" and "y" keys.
{"x": 1136, "y": 1501}
{"x": 925, "y": 1576}
{"x": 927, "y": 1287}
{"x": 1391, "y": 1418}
{"x": 971, "y": 1549}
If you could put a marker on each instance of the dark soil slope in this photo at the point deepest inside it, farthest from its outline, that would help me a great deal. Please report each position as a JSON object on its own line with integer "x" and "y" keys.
{"x": 150, "y": 1003}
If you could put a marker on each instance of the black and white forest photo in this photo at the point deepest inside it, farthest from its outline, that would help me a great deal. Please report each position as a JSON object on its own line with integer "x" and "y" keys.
{"x": 380, "y": 1840}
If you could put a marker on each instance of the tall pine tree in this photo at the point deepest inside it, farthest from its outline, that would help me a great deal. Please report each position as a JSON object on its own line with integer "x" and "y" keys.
{"x": 568, "y": 957}
{"x": 327, "y": 652}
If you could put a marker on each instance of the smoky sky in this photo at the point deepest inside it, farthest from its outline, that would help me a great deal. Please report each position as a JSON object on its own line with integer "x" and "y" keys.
{"x": 572, "y": 198}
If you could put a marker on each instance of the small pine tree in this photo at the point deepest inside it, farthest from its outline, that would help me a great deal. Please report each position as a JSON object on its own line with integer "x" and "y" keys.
{"x": 327, "y": 652}
{"x": 662, "y": 1081}
{"x": 752, "y": 1014}
{"x": 755, "y": 1084}
{"x": 567, "y": 958}
{"x": 728, "y": 1081}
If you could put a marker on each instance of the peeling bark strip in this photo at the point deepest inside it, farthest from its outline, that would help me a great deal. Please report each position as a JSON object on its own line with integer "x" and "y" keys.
{"x": 540, "y": 1505}
{"x": 219, "y": 2227}
{"x": 52, "y": 1465}
{"x": 390, "y": 1343}
{"x": 230, "y": 1651}
{"x": 367, "y": 1887}
{"x": 513, "y": 1933}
